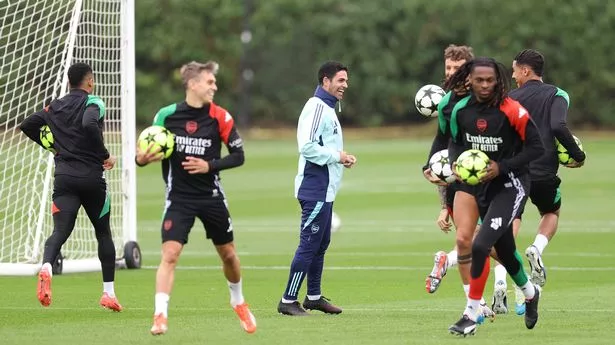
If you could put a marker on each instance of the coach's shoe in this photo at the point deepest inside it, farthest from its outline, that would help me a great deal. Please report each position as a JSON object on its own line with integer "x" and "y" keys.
{"x": 321, "y": 304}
{"x": 292, "y": 309}
{"x": 531, "y": 309}
{"x": 110, "y": 302}
{"x": 247, "y": 320}
{"x": 500, "y": 301}
{"x": 160, "y": 325}
{"x": 438, "y": 272}
{"x": 519, "y": 301}
{"x": 464, "y": 327}
{"x": 44, "y": 287}
{"x": 538, "y": 274}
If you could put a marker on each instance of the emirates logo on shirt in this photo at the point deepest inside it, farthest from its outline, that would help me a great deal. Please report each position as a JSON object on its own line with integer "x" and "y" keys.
{"x": 191, "y": 127}
{"x": 484, "y": 143}
{"x": 481, "y": 125}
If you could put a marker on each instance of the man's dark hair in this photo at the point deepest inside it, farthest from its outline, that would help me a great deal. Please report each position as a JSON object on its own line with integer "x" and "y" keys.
{"x": 459, "y": 79}
{"x": 329, "y": 69}
{"x": 77, "y": 73}
{"x": 533, "y": 59}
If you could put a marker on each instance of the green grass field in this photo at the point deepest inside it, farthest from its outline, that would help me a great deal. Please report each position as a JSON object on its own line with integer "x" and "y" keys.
{"x": 375, "y": 267}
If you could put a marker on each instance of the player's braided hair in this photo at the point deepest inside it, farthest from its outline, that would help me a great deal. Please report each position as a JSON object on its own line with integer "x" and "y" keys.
{"x": 459, "y": 80}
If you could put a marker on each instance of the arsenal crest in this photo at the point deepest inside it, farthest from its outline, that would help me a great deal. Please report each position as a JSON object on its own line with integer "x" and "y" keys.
{"x": 481, "y": 124}
{"x": 167, "y": 225}
{"x": 191, "y": 127}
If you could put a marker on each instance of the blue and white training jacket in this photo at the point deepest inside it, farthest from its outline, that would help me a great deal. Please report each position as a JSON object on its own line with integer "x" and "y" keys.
{"x": 319, "y": 139}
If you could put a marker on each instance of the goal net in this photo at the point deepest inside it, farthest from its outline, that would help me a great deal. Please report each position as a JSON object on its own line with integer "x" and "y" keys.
{"x": 39, "y": 40}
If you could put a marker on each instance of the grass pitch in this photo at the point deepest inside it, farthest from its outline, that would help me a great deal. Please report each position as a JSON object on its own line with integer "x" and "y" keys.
{"x": 375, "y": 267}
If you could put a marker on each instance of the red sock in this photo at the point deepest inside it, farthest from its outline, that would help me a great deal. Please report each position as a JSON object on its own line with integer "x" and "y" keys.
{"x": 477, "y": 285}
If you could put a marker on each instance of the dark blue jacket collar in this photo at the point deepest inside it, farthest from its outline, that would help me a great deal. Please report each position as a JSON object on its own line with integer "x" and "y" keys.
{"x": 326, "y": 97}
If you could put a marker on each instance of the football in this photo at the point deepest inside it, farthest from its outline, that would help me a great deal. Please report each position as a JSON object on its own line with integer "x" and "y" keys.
{"x": 46, "y": 138}
{"x": 427, "y": 99}
{"x": 470, "y": 166}
{"x": 336, "y": 222}
{"x": 160, "y": 137}
{"x": 562, "y": 154}
{"x": 441, "y": 167}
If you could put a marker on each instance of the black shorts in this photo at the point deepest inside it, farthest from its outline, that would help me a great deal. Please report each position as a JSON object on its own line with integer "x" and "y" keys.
{"x": 179, "y": 218}
{"x": 70, "y": 193}
{"x": 450, "y": 195}
{"x": 464, "y": 187}
{"x": 502, "y": 201}
{"x": 546, "y": 195}
{"x": 452, "y": 189}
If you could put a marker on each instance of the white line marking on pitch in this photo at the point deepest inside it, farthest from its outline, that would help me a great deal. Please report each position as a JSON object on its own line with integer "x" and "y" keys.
{"x": 367, "y": 254}
{"x": 417, "y": 309}
{"x": 367, "y": 268}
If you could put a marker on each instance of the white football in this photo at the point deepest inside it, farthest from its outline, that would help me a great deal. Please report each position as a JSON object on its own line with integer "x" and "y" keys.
{"x": 336, "y": 222}
{"x": 441, "y": 167}
{"x": 427, "y": 99}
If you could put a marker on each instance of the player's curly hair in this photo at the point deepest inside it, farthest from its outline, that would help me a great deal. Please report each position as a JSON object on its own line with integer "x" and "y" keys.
{"x": 456, "y": 53}
{"x": 459, "y": 80}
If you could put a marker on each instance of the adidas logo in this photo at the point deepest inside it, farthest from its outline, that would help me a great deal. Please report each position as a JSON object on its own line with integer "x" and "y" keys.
{"x": 496, "y": 223}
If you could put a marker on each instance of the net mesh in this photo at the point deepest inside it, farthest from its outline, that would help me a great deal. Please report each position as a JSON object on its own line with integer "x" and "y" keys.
{"x": 36, "y": 46}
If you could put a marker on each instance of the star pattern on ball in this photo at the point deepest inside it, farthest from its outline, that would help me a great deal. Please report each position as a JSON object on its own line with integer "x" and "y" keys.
{"x": 473, "y": 172}
{"x": 164, "y": 148}
{"x": 428, "y": 92}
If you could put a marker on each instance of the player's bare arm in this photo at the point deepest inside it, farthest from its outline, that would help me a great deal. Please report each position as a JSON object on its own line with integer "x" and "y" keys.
{"x": 443, "y": 218}
{"x": 443, "y": 221}
{"x": 427, "y": 174}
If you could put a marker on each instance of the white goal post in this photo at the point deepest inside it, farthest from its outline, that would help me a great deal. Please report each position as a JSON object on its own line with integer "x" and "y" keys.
{"x": 39, "y": 40}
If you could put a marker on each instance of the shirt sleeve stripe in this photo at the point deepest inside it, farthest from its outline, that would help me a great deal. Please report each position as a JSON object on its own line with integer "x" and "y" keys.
{"x": 316, "y": 121}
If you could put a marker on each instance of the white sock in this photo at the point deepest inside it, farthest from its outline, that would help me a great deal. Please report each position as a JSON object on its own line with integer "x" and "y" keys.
{"x": 236, "y": 293}
{"x": 161, "y": 300}
{"x": 288, "y": 301}
{"x": 452, "y": 258}
{"x": 540, "y": 242}
{"x": 500, "y": 274}
{"x": 528, "y": 290}
{"x": 473, "y": 309}
{"x": 313, "y": 297}
{"x": 47, "y": 266}
{"x": 519, "y": 296}
{"x": 466, "y": 289}
{"x": 109, "y": 289}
